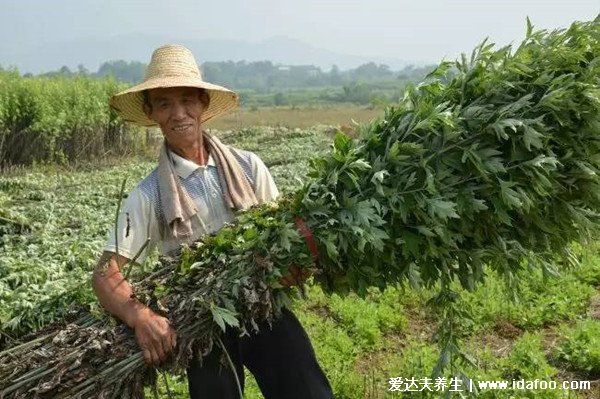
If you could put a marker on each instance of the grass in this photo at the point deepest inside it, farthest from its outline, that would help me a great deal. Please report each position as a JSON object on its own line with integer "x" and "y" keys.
{"x": 579, "y": 347}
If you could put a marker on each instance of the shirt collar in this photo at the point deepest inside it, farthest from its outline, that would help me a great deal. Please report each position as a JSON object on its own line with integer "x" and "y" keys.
{"x": 184, "y": 167}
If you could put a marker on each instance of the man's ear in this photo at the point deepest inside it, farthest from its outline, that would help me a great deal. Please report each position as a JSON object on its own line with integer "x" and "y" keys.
{"x": 147, "y": 110}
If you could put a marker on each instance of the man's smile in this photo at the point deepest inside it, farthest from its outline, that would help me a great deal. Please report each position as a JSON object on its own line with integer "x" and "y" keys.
{"x": 181, "y": 128}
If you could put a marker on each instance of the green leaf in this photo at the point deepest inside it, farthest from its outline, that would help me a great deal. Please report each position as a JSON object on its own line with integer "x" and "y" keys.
{"x": 442, "y": 209}
{"x": 331, "y": 248}
{"x": 287, "y": 236}
{"x": 509, "y": 196}
{"x": 500, "y": 127}
{"x": 224, "y": 317}
{"x": 425, "y": 231}
{"x": 529, "y": 28}
{"x": 359, "y": 165}
{"x": 365, "y": 213}
{"x": 218, "y": 318}
{"x": 430, "y": 181}
{"x": 532, "y": 137}
{"x": 379, "y": 176}
{"x": 377, "y": 238}
{"x": 414, "y": 276}
{"x": 411, "y": 244}
{"x": 342, "y": 143}
{"x": 412, "y": 178}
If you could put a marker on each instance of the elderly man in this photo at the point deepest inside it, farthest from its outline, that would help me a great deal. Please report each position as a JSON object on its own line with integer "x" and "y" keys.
{"x": 197, "y": 185}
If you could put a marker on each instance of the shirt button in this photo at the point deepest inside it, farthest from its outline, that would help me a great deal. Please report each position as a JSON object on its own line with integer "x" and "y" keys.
{"x": 214, "y": 194}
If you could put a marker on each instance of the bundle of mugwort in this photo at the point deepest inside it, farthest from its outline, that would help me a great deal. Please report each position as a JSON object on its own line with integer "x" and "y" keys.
{"x": 492, "y": 162}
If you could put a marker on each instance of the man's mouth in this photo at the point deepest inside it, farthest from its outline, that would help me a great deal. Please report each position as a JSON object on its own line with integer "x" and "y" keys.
{"x": 181, "y": 128}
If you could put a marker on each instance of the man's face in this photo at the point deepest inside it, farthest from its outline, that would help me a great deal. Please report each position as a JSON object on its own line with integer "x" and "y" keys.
{"x": 177, "y": 110}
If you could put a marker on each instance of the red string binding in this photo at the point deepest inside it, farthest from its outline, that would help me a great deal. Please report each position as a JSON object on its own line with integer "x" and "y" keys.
{"x": 308, "y": 238}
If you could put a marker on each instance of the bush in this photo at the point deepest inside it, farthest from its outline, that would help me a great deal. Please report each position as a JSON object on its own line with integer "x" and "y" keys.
{"x": 59, "y": 120}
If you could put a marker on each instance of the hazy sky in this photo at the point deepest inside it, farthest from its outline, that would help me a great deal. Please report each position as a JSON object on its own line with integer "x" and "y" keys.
{"x": 420, "y": 30}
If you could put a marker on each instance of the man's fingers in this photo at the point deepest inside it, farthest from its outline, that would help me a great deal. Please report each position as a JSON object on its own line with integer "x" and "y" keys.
{"x": 160, "y": 353}
{"x": 155, "y": 337}
{"x": 173, "y": 339}
{"x": 285, "y": 281}
{"x": 301, "y": 273}
{"x": 147, "y": 356}
{"x": 166, "y": 346}
{"x": 295, "y": 276}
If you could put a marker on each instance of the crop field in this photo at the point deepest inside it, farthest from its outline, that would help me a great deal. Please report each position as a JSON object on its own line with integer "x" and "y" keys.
{"x": 58, "y": 119}
{"x": 54, "y": 221}
{"x": 295, "y": 117}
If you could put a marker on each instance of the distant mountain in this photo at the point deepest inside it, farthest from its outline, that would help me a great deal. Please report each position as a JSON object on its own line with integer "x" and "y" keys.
{"x": 92, "y": 52}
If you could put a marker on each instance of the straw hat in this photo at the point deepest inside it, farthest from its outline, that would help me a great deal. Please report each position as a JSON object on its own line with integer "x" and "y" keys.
{"x": 171, "y": 66}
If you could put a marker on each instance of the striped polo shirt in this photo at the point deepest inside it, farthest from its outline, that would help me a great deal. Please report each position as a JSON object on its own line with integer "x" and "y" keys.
{"x": 141, "y": 215}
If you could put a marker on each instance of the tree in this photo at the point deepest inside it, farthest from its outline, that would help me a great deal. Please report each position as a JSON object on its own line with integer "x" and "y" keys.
{"x": 280, "y": 99}
{"x": 82, "y": 70}
{"x": 335, "y": 78}
{"x": 132, "y": 72}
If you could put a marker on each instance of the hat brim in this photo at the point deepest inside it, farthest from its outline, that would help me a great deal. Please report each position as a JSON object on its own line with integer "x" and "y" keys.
{"x": 129, "y": 104}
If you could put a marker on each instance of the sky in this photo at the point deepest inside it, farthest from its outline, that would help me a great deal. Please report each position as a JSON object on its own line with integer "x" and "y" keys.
{"x": 420, "y": 30}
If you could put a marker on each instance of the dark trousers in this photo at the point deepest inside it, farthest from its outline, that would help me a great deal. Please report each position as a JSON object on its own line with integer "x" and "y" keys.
{"x": 281, "y": 359}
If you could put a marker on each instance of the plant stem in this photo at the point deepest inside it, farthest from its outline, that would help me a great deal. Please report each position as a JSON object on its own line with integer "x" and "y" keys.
{"x": 237, "y": 380}
{"x": 137, "y": 255}
{"x": 117, "y": 217}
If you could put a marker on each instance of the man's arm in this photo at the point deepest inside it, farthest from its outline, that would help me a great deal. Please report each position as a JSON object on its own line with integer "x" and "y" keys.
{"x": 153, "y": 332}
{"x": 266, "y": 190}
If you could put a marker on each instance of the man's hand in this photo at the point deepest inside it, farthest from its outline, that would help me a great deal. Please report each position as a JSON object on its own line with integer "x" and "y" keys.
{"x": 153, "y": 333}
{"x": 155, "y": 336}
{"x": 296, "y": 276}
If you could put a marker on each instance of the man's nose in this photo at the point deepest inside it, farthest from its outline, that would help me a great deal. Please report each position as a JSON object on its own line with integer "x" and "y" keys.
{"x": 178, "y": 111}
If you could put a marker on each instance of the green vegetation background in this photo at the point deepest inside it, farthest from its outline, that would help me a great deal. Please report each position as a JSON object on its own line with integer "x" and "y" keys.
{"x": 55, "y": 220}
{"x": 62, "y": 116}
{"x": 263, "y": 83}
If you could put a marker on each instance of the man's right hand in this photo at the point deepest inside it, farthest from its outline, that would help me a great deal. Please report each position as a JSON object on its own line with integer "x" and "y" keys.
{"x": 152, "y": 332}
{"x": 155, "y": 336}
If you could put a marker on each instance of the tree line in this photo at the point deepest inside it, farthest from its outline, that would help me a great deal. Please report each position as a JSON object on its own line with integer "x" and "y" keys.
{"x": 262, "y": 75}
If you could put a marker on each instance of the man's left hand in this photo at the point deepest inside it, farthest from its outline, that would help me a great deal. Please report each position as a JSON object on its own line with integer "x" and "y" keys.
{"x": 296, "y": 276}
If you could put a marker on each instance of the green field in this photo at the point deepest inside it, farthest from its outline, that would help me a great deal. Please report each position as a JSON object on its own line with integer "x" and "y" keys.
{"x": 53, "y": 225}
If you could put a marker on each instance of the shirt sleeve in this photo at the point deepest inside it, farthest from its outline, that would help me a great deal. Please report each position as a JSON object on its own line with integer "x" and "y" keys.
{"x": 264, "y": 185}
{"x": 136, "y": 224}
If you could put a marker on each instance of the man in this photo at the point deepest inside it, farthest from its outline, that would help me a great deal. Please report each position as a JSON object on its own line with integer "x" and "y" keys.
{"x": 193, "y": 191}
